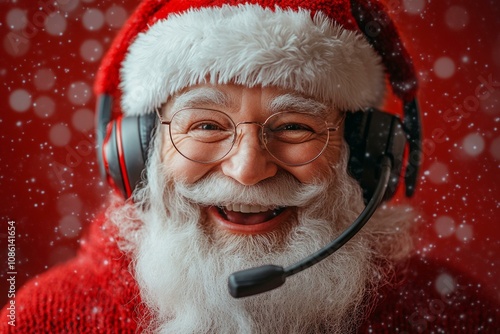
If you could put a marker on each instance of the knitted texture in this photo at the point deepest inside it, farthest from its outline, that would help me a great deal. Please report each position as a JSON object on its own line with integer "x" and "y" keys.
{"x": 95, "y": 293}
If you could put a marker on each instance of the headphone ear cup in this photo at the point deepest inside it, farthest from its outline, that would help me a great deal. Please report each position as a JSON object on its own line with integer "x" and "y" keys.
{"x": 123, "y": 145}
{"x": 372, "y": 134}
{"x": 125, "y": 150}
{"x": 354, "y": 135}
{"x": 147, "y": 125}
{"x": 110, "y": 158}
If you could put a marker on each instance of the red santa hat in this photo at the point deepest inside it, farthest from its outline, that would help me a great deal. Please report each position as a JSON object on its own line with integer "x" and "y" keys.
{"x": 316, "y": 47}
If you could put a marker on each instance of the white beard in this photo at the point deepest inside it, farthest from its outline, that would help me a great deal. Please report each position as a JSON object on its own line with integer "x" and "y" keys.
{"x": 182, "y": 263}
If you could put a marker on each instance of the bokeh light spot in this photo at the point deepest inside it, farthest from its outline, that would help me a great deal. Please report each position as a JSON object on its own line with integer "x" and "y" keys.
{"x": 44, "y": 79}
{"x": 59, "y": 134}
{"x": 44, "y": 106}
{"x": 16, "y": 19}
{"x": 20, "y": 100}
{"x": 473, "y": 144}
{"x": 444, "y": 67}
{"x": 444, "y": 226}
{"x": 91, "y": 50}
{"x": 116, "y": 16}
{"x": 93, "y": 19}
{"x": 456, "y": 17}
{"x": 55, "y": 24}
{"x": 79, "y": 93}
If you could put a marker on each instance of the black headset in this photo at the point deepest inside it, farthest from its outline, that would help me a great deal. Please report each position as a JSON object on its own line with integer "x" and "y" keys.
{"x": 123, "y": 145}
{"x": 370, "y": 134}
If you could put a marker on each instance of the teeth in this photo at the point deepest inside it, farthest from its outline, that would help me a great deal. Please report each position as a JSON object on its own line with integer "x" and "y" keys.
{"x": 246, "y": 208}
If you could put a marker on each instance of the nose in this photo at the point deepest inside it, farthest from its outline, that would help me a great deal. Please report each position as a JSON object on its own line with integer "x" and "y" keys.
{"x": 249, "y": 162}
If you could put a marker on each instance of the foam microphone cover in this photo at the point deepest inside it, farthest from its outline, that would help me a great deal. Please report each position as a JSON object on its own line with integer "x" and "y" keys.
{"x": 256, "y": 280}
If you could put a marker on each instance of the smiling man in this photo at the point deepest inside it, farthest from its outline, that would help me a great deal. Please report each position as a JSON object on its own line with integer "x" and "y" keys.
{"x": 241, "y": 177}
{"x": 232, "y": 155}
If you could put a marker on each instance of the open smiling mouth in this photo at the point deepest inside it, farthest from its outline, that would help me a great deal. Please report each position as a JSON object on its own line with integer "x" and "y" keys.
{"x": 248, "y": 218}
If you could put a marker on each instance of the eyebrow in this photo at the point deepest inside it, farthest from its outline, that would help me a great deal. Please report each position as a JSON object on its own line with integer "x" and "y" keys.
{"x": 297, "y": 103}
{"x": 290, "y": 102}
{"x": 200, "y": 96}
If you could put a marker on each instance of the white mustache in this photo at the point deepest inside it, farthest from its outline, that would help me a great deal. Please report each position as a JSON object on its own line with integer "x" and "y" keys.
{"x": 281, "y": 190}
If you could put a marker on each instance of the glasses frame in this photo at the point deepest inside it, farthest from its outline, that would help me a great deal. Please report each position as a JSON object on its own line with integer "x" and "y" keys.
{"x": 329, "y": 128}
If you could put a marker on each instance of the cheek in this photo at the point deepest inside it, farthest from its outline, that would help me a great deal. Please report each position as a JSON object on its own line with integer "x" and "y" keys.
{"x": 334, "y": 149}
{"x": 318, "y": 169}
{"x": 321, "y": 167}
{"x": 179, "y": 167}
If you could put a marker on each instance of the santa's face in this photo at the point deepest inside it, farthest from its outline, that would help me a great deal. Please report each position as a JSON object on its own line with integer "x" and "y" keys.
{"x": 248, "y": 163}
{"x": 198, "y": 226}
{"x": 192, "y": 240}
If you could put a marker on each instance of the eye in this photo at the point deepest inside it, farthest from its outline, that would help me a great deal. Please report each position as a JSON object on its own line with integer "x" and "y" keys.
{"x": 209, "y": 131}
{"x": 293, "y": 127}
{"x": 293, "y": 133}
{"x": 206, "y": 126}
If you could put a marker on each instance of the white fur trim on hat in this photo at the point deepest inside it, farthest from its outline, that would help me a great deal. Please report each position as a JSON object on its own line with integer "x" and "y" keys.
{"x": 253, "y": 46}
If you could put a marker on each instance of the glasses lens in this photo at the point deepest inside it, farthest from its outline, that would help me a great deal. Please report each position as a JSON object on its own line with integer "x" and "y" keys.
{"x": 202, "y": 135}
{"x": 295, "y": 138}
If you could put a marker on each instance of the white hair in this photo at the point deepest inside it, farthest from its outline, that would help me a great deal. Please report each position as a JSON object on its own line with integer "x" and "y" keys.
{"x": 182, "y": 264}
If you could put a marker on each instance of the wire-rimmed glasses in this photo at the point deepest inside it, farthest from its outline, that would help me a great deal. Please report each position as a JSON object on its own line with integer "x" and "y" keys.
{"x": 208, "y": 135}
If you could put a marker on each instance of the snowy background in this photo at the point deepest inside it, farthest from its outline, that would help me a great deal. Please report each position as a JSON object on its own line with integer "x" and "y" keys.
{"x": 51, "y": 188}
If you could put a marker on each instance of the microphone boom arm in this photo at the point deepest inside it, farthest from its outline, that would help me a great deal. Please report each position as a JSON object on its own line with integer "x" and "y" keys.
{"x": 261, "y": 279}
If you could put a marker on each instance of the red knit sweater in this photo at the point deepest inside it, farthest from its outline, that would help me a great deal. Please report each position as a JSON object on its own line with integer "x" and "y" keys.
{"x": 95, "y": 293}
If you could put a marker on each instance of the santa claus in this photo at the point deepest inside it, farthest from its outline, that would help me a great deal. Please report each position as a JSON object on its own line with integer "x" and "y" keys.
{"x": 223, "y": 124}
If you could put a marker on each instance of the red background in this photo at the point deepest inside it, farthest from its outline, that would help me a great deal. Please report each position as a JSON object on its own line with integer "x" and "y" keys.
{"x": 50, "y": 184}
